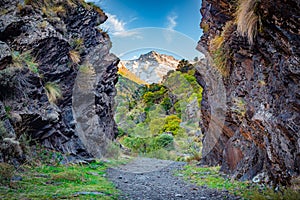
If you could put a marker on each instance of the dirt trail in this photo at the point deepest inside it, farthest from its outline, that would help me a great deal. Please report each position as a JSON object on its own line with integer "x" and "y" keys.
{"x": 147, "y": 178}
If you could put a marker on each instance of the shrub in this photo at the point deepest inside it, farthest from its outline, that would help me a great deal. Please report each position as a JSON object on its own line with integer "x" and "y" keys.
{"x": 20, "y": 60}
{"x": 148, "y": 97}
{"x": 164, "y": 140}
{"x": 148, "y": 144}
{"x": 53, "y": 92}
{"x": 247, "y": 19}
{"x": 6, "y": 173}
{"x": 156, "y": 125}
{"x": 205, "y": 27}
{"x": 112, "y": 150}
{"x": 184, "y": 66}
{"x": 166, "y": 103}
{"x": 172, "y": 124}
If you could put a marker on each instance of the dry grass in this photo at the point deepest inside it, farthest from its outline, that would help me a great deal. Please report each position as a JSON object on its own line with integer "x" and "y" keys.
{"x": 74, "y": 56}
{"x": 53, "y": 92}
{"x": 59, "y": 10}
{"x": 86, "y": 69}
{"x": 77, "y": 43}
{"x": 97, "y": 9}
{"x": 247, "y": 19}
{"x": 216, "y": 43}
{"x": 205, "y": 27}
{"x": 220, "y": 62}
{"x": 128, "y": 74}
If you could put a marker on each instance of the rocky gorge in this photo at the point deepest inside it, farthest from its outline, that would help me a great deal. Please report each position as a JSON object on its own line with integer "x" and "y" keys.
{"x": 57, "y": 78}
{"x": 254, "y": 47}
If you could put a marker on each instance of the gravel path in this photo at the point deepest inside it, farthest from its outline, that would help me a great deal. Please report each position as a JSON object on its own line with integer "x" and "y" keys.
{"x": 147, "y": 178}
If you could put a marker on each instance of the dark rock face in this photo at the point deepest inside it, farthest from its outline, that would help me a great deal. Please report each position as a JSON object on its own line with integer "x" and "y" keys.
{"x": 261, "y": 131}
{"x": 57, "y": 42}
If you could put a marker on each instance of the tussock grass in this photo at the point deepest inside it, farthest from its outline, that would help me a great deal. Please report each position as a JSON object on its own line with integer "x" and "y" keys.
{"x": 53, "y": 92}
{"x": 220, "y": 62}
{"x": 59, "y": 10}
{"x": 24, "y": 59}
{"x": 77, "y": 43}
{"x": 74, "y": 56}
{"x": 247, "y": 19}
{"x": 216, "y": 43}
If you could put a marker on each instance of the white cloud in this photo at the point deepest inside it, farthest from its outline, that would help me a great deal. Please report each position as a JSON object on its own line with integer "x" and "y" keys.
{"x": 117, "y": 27}
{"x": 172, "y": 21}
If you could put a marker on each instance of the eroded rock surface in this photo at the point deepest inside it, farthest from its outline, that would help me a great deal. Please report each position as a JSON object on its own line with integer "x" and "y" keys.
{"x": 261, "y": 133}
{"x": 54, "y": 43}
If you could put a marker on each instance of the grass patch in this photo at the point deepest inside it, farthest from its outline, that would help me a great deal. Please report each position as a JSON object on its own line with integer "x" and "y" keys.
{"x": 86, "y": 69}
{"x": 53, "y": 92}
{"x": 220, "y": 62}
{"x": 77, "y": 44}
{"x": 74, "y": 56}
{"x": 25, "y": 59}
{"x": 247, "y": 19}
{"x": 61, "y": 182}
{"x": 6, "y": 172}
{"x": 212, "y": 178}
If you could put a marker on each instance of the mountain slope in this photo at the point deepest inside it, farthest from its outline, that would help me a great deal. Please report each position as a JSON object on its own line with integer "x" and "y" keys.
{"x": 151, "y": 67}
{"x": 128, "y": 74}
{"x": 162, "y": 119}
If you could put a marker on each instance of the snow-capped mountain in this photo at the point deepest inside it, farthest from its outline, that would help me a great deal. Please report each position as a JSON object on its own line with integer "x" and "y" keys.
{"x": 151, "y": 67}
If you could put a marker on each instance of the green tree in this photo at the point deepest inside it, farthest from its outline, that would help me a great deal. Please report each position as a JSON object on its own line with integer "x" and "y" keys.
{"x": 172, "y": 124}
{"x": 166, "y": 104}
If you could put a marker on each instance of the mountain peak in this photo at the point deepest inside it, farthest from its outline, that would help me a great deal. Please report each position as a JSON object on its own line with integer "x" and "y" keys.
{"x": 155, "y": 56}
{"x": 152, "y": 66}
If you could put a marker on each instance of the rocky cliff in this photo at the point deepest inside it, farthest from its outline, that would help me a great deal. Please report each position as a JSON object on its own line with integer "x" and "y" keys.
{"x": 57, "y": 77}
{"x": 254, "y": 47}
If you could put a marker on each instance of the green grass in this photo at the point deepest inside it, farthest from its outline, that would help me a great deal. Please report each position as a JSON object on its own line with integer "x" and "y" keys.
{"x": 61, "y": 182}
{"x": 211, "y": 177}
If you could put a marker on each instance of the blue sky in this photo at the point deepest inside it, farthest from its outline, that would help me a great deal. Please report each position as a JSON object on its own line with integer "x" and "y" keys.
{"x": 176, "y": 21}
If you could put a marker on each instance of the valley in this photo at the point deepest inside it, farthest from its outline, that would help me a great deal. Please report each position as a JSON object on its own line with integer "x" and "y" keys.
{"x": 160, "y": 119}
{"x": 113, "y": 99}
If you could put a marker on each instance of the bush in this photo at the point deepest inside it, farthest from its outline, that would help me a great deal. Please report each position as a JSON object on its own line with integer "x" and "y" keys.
{"x": 172, "y": 124}
{"x": 164, "y": 140}
{"x": 148, "y": 144}
{"x": 166, "y": 104}
{"x": 112, "y": 150}
{"x": 6, "y": 173}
